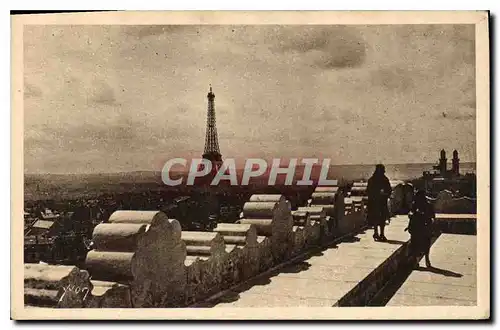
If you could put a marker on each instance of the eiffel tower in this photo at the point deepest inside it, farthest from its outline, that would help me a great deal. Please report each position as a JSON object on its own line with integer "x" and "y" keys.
{"x": 212, "y": 151}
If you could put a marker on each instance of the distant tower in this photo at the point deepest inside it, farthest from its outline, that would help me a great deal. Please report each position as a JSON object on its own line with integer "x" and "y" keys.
{"x": 455, "y": 163}
{"x": 442, "y": 163}
{"x": 212, "y": 151}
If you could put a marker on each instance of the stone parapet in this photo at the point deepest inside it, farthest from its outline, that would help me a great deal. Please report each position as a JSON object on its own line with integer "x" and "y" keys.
{"x": 143, "y": 259}
{"x": 56, "y": 286}
{"x": 142, "y": 249}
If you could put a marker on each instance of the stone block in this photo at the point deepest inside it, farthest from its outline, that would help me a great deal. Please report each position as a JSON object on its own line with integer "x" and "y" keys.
{"x": 323, "y": 198}
{"x": 56, "y": 286}
{"x": 110, "y": 295}
{"x": 142, "y": 249}
{"x": 271, "y": 215}
{"x": 358, "y": 191}
{"x": 332, "y": 189}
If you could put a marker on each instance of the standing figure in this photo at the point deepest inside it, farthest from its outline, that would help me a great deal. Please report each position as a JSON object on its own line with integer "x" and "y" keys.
{"x": 420, "y": 227}
{"x": 378, "y": 190}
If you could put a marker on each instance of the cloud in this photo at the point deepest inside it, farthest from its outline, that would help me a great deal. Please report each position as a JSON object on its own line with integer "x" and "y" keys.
{"x": 101, "y": 92}
{"x": 106, "y": 137}
{"x": 31, "y": 90}
{"x": 392, "y": 78}
{"x": 328, "y": 48}
{"x": 134, "y": 92}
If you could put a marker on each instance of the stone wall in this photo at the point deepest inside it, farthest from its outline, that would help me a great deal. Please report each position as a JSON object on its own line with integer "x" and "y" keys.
{"x": 143, "y": 259}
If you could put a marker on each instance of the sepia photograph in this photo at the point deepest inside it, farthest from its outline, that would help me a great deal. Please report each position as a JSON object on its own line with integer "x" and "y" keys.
{"x": 251, "y": 165}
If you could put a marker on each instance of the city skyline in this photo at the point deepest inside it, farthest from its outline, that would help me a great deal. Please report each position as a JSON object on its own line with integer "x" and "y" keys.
{"x": 126, "y": 98}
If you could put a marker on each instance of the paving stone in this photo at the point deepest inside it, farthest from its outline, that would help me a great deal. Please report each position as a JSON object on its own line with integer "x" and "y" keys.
{"x": 414, "y": 300}
{"x": 323, "y": 278}
{"x": 452, "y": 279}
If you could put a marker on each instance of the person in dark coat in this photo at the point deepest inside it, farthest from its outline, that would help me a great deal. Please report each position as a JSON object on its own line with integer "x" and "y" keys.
{"x": 378, "y": 190}
{"x": 420, "y": 226}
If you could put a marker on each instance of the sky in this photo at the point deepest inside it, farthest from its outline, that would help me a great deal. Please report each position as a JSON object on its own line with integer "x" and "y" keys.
{"x": 116, "y": 98}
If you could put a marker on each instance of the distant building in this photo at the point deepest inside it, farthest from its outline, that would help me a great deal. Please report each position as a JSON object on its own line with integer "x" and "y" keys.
{"x": 57, "y": 238}
{"x": 450, "y": 179}
{"x": 44, "y": 228}
{"x": 48, "y": 215}
{"x": 37, "y": 248}
{"x": 442, "y": 168}
{"x": 455, "y": 169}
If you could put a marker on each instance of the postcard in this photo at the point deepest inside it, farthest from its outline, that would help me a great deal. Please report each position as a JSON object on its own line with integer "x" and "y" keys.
{"x": 251, "y": 165}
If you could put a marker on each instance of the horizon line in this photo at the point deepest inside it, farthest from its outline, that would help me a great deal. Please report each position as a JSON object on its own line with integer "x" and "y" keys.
{"x": 150, "y": 170}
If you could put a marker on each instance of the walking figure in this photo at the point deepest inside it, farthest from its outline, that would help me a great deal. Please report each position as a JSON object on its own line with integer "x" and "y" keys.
{"x": 378, "y": 190}
{"x": 420, "y": 227}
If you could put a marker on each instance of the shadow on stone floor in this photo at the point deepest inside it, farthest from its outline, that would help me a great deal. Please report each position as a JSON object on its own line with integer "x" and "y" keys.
{"x": 234, "y": 295}
{"x": 353, "y": 239}
{"x": 264, "y": 280}
{"x": 440, "y": 271}
{"x": 318, "y": 253}
{"x": 296, "y": 268}
{"x": 229, "y": 297}
{"x": 395, "y": 242}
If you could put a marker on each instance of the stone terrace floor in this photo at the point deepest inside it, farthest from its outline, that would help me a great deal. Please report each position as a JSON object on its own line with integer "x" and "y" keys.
{"x": 450, "y": 281}
{"x": 320, "y": 279}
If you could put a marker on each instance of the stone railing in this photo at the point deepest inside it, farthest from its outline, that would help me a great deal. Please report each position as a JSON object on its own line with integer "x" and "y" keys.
{"x": 331, "y": 199}
{"x": 143, "y": 259}
{"x": 359, "y": 189}
{"x": 142, "y": 249}
{"x": 399, "y": 201}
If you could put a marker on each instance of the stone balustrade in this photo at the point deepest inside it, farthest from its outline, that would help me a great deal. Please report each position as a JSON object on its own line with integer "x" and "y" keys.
{"x": 396, "y": 202}
{"x": 56, "y": 286}
{"x": 319, "y": 223}
{"x": 143, "y": 259}
{"x": 109, "y": 295}
{"x": 358, "y": 191}
{"x": 271, "y": 215}
{"x": 242, "y": 245}
{"x": 142, "y": 249}
{"x": 354, "y": 215}
{"x": 399, "y": 201}
{"x": 302, "y": 231}
{"x": 205, "y": 263}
